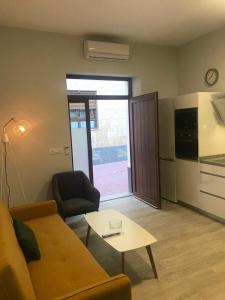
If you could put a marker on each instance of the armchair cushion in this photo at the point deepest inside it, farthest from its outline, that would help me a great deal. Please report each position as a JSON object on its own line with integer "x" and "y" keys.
{"x": 78, "y": 205}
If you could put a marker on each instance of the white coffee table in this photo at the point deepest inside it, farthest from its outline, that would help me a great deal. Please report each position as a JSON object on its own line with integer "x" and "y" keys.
{"x": 132, "y": 236}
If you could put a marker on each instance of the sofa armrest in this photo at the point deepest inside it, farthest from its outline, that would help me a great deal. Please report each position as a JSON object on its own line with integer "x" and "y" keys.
{"x": 113, "y": 288}
{"x": 34, "y": 210}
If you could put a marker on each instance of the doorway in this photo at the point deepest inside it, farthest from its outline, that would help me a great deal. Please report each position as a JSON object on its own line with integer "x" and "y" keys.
{"x": 101, "y": 137}
{"x": 99, "y": 123}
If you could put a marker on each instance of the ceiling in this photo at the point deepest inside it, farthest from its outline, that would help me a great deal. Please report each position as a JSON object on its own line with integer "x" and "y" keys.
{"x": 163, "y": 22}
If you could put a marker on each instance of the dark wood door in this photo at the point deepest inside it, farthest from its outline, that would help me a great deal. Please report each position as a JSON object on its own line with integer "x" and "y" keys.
{"x": 145, "y": 148}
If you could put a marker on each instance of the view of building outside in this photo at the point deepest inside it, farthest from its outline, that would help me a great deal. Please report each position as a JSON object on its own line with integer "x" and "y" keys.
{"x": 110, "y": 147}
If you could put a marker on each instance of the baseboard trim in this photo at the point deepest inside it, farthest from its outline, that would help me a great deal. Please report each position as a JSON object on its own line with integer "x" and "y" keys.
{"x": 142, "y": 200}
{"x": 116, "y": 196}
{"x": 172, "y": 201}
{"x": 202, "y": 212}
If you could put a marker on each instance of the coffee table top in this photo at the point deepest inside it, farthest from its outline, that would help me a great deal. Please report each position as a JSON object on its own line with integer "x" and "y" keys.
{"x": 132, "y": 236}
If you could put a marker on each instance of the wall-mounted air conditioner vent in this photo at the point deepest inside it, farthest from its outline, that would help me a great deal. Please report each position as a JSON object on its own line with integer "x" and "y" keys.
{"x": 106, "y": 51}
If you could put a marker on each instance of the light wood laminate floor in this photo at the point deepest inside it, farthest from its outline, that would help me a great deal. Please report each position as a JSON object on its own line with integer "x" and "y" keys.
{"x": 189, "y": 254}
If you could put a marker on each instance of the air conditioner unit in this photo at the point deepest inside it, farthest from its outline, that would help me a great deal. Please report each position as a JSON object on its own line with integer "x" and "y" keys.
{"x": 106, "y": 51}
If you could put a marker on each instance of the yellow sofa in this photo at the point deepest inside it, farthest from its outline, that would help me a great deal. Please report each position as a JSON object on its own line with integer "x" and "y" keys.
{"x": 66, "y": 269}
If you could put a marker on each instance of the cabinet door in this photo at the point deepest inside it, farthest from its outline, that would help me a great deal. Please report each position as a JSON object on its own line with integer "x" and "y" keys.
{"x": 187, "y": 181}
{"x": 212, "y": 205}
{"x": 213, "y": 184}
{"x": 166, "y": 129}
{"x": 168, "y": 179}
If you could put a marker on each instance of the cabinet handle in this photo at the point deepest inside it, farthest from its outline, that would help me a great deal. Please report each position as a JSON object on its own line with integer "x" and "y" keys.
{"x": 212, "y": 174}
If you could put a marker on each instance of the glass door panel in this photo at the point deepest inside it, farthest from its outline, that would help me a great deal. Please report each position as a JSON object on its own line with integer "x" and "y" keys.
{"x": 79, "y": 136}
{"x": 110, "y": 147}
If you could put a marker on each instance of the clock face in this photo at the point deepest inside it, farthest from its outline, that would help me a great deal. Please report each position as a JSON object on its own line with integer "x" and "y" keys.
{"x": 211, "y": 76}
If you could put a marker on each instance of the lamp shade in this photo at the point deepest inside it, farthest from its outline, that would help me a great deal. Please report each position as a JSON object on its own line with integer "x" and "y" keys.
{"x": 21, "y": 128}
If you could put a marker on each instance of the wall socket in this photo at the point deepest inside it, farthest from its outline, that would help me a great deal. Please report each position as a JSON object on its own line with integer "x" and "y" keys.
{"x": 58, "y": 150}
{"x": 67, "y": 150}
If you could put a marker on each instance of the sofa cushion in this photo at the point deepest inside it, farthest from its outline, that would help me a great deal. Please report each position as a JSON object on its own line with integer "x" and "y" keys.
{"x": 27, "y": 240}
{"x": 78, "y": 206}
{"x": 66, "y": 264}
{"x": 15, "y": 282}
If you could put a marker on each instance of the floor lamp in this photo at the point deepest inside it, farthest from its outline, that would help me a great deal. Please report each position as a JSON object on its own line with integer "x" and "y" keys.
{"x": 20, "y": 128}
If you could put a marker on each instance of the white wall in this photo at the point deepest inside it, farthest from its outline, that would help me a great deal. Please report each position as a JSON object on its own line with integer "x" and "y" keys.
{"x": 193, "y": 61}
{"x": 196, "y": 57}
{"x": 33, "y": 87}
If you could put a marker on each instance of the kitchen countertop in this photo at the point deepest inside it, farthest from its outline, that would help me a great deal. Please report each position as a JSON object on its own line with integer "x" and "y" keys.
{"x": 217, "y": 160}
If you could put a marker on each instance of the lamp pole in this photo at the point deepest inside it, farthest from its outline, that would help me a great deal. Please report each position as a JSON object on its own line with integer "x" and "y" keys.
{"x": 22, "y": 128}
{"x": 5, "y": 141}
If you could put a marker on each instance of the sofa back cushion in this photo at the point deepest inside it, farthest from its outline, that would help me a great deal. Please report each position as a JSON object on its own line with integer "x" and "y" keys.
{"x": 15, "y": 281}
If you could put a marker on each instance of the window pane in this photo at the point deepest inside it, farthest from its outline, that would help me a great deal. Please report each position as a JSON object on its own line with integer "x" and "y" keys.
{"x": 97, "y": 87}
{"x": 74, "y": 124}
{"x": 83, "y": 124}
{"x": 92, "y": 124}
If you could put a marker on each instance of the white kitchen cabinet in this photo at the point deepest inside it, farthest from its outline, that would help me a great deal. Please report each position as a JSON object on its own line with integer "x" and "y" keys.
{"x": 212, "y": 169}
{"x": 187, "y": 181}
{"x": 212, "y": 189}
{"x": 197, "y": 184}
{"x": 186, "y": 101}
{"x": 212, "y": 205}
{"x": 202, "y": 186}
{"x": 168, "y": 179}
{"x": 213, "y": 184}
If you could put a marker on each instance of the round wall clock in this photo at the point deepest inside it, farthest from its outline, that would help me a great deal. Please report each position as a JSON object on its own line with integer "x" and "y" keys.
{"x": 211, "y": 76}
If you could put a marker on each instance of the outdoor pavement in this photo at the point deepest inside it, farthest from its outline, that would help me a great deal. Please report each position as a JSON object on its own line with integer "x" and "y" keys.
{"x": 111, "y": 178}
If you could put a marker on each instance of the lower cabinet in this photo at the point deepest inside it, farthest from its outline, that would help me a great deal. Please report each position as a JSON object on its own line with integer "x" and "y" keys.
{"x": 202, "y": 186}
{"x": 212, "y": 189}
{"x": 168, "y": 179}
{"x": 187, "y": 181}
{"x": 212, "y": 205}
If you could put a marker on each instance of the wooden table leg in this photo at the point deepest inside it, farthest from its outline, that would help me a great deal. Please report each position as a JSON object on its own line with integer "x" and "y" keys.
{"x": 123, "y": 262}
{"x": 148, "y": 248}
{"x": 88, "y": 235}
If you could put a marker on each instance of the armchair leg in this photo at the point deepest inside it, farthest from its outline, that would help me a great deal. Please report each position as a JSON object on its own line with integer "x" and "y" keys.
{"x": 88, "y": 235}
